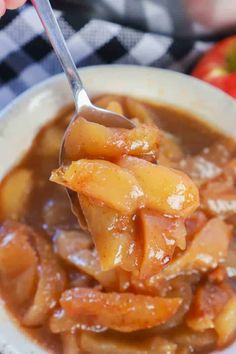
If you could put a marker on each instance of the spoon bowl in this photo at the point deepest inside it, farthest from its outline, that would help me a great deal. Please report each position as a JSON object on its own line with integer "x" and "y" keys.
{"x": 95, "y": 115}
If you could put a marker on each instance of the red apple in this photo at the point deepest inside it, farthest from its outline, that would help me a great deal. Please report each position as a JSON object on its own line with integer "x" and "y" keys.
{"x": 218, "y": 66}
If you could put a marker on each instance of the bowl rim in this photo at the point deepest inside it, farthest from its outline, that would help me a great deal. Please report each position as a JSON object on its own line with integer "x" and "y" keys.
{"x": 31, "y": 91}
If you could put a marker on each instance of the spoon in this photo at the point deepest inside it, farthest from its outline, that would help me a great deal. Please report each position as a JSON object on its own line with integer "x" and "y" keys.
{"x": 83, "y": 105}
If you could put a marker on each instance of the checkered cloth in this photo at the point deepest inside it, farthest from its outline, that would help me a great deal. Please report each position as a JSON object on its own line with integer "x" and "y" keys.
{"x": 26, "y": 57}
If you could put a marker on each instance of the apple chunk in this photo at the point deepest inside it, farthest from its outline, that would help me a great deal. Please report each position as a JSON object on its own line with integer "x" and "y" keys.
{"x": 225, "y": 323}
{"x": 113, "y": 234}
{"x": 160, "y": 235}
{"x": 18, "y": 261}
{"x": 15, "y": 193}
{"x": 208, "y": 301}
{"x": 107, "y": 343}
{"x": 208, "y": 249}
{"x": 91, "y": 140}
{"x": 166, "y": 190}
{"x": 123, "y": 312}
{"x": 104, "y": 181}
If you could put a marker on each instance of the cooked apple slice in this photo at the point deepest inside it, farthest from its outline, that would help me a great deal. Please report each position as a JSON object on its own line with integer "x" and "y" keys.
{"x": 160, "y": 235}
{"x": 190, "y": 341}
{"x": 104, "y": 181}
{"x": 143, "y": 141}
{"x": 68, "y": 242}
{"x": 87, "y": 139}
{"x": 75, "y": 247}
{"x": 15, "y": 192}
{"x": 138, "y": 110}
{"x": 170, "y": 149}
{"x": 88, "y": 262}
{"x": 122, "y": 312}
{"x": 195, "y": 223}
{"x": 91, "y": 140}
{"x": 218, "y": 195}
{"x": 114, "y": 235}
{"x": 225, "y": 323}
{"x": 166, "y": 190}
{"x": 51, "y": 283}
{"x": 18, "y": 261}
{"x": 208, "y": 249}
{"x": 70, "y": 343}
{"x": 60, "y": 322}
{"x": 51, "y": 141}
{"x": 108, "y": 343}
{"x": 116, "y": 107}
{"x": 209, "y": 300}
{"x": 104, "y": 101}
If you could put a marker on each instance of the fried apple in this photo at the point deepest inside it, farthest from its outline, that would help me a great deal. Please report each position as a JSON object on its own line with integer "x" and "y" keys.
{"x": 208, "y": 249}
{"x": 91, "y": 140}
{"x": 123, "y": 312}
{"x": 218, "y": 195}
{"x": 160, "y": 235}
{"x": 59, "y": 322}
{"x": 104, "y": 343}
{"x": 18, "y": 260}
{"x": 115, "y": 107}
{"x": 104, "y": 181}
{"x": 209, "y": 300}
{"x": 52, "y": 281}
{"x": 138, "y": 110}
{"x": 166, "y": 190}
{"x": 70, "y": 343}
{"x": 51, "y": 141}
{"x": 15, "y": 192}
{"x": 113, "y": 234}
{"x": 225, "y": 324}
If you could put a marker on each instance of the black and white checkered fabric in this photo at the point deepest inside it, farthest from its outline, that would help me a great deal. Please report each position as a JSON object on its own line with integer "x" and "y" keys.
{"x": 26, "y": 57}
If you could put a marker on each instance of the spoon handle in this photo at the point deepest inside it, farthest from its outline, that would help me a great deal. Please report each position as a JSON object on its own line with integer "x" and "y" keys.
{"x": 50, "y": 24}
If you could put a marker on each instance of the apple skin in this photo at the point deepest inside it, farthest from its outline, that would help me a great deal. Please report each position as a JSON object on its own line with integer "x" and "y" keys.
{"x": 218, "y": 66}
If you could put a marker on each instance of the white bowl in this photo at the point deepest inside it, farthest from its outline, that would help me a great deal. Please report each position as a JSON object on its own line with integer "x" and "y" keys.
{"x": 21, "y": 120}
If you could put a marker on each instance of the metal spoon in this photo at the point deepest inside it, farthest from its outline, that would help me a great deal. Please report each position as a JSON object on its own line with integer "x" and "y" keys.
{"x": 83, "y": 105}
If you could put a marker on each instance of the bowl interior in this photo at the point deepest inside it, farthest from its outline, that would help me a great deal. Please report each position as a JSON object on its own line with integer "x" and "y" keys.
{"x": 20, "y": 122}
